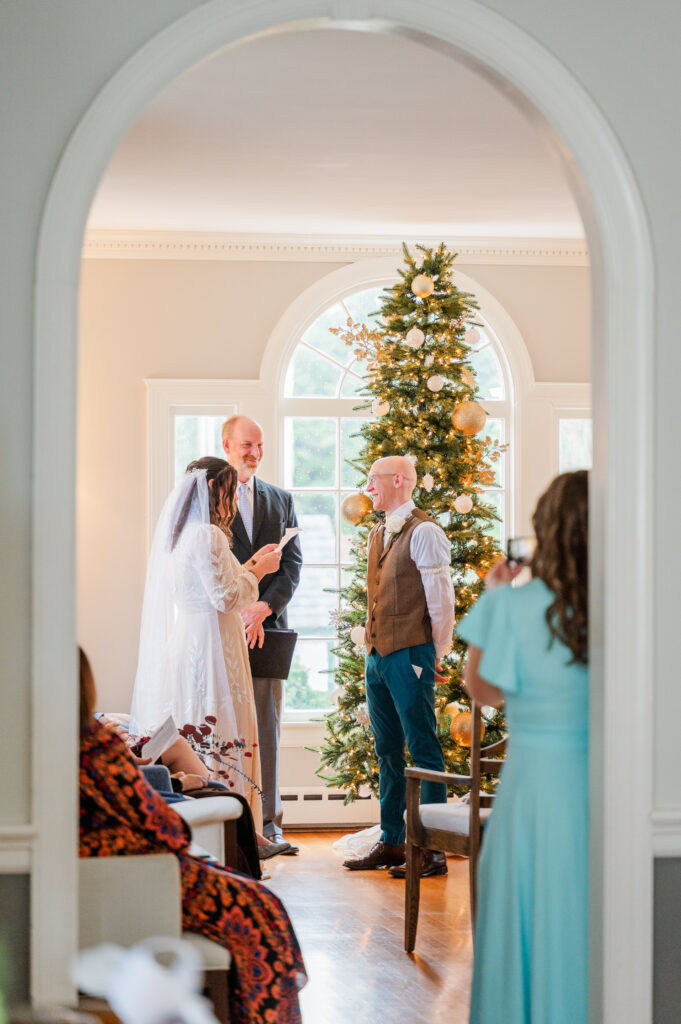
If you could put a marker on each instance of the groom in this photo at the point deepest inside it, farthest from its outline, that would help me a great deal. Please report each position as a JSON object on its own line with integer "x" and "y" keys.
{"x": 264, "y": 513}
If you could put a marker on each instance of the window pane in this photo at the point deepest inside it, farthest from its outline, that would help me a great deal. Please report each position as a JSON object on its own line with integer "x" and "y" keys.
{"x": 574, "y": 444}
{"x": 317, "y": 518}
{"x": 311, "y": 605}
{"x": 320, "y": 337}
{"x": 310, "y": 451}
{"x": 496, "y": 500}
{"x": 494, "y": 428}
{"x": 351, "y": 442}
{"x": 362, "y": 304}
{"x": 311, "y": 681}
{"x": 311, "y": 376}
{"x": 196, "y": 436}
{"x": 352, "y": 387}
{"x": 487, "y": 369}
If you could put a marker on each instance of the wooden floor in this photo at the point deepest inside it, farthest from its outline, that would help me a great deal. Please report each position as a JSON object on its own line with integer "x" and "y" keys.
{"x": 350, "y": 928}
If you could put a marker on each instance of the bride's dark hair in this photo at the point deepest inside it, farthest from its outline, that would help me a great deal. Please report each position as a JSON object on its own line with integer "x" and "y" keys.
{"x": 223, "y": 478}
{"x": 561, "y": 526}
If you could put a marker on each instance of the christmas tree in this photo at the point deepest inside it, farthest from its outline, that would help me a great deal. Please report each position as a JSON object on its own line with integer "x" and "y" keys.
{"x": 421, "y": 390}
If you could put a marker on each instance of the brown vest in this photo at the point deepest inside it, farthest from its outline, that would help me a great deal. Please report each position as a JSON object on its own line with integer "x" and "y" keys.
{"x": 397, "y": 610}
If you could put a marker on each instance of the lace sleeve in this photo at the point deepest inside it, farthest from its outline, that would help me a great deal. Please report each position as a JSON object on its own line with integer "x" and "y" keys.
{"x": 228, "y": 586}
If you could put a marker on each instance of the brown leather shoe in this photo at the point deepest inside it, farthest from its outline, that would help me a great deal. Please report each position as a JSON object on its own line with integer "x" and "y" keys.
{"x": 381, "y": 855}
{"x": 432, "y": 863}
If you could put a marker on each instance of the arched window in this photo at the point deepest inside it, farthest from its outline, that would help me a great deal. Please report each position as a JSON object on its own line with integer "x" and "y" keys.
{"x": 320, "y": 425}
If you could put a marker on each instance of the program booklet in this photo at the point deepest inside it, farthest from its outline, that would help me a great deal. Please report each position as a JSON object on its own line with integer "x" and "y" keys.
{"x": 158, "y": 743}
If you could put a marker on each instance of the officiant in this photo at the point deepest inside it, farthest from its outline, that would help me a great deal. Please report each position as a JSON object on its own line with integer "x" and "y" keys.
{"x": 265, "y": 512}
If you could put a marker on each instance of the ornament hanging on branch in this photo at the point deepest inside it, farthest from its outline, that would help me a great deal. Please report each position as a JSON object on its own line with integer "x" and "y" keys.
{"x": 461, "y": 725}
{"x": 415, "y": 337}
{"x": 357, "y": 635}
{"x": 463, "y": 504}
{"x": 468, "y": 377}
{"x": 379, "y": 407}
{"x": 355, "y": 507}
{"x": 435, "y": 383}
{"x": 429, "y": 360}
{"x": 469, "y": 418}
{"x": 472, "y": 336}
{"x": 428, "y": 482}
{"x": 422, "y": 286}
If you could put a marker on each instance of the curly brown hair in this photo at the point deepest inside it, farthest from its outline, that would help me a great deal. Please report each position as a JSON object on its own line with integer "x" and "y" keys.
{"x": 223, "y": 478}
{"x": 561, "y": 526}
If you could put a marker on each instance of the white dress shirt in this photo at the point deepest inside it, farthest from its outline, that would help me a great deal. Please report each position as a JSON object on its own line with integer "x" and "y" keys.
{"x": 431, "y": 553}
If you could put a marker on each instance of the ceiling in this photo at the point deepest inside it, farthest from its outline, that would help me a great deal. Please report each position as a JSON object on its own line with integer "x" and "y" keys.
{"x": 331, "y": 132}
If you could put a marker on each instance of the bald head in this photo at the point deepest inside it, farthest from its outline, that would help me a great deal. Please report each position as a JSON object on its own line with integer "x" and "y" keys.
{"x": 391, "y": 482}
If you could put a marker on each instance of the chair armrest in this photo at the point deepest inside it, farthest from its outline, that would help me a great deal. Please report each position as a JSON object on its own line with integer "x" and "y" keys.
{"x": 209, "y": 811}
{"x": 494, "y": 748}
{"x": 430, "y": 776}
{"x": 128, "y": 898}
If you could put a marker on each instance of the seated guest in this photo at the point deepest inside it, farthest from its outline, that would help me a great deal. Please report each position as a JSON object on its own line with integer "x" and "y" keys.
{"x": 120, "y": 814}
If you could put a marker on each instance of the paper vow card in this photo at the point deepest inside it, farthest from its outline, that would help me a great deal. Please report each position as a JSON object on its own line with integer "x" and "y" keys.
{"x": 291, "y": 531}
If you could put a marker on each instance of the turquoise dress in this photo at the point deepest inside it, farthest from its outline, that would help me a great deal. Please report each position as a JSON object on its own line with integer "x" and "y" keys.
{"x": 530, "y": 946}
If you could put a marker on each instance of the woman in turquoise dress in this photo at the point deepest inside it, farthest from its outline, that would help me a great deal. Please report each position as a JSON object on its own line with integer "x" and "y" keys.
{"x": 528, "y": 650}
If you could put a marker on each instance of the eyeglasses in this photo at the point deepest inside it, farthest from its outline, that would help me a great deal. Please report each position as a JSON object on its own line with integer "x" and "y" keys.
{"x": 373, "y": 476}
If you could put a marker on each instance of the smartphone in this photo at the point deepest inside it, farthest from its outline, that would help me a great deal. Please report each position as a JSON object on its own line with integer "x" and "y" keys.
{"x": 520, "y": 550}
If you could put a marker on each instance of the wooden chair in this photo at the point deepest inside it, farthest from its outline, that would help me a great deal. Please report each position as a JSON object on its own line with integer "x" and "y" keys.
{"x": 450, "y": 828}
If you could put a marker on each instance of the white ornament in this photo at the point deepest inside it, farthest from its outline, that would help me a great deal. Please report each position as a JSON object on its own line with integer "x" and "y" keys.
{"x": 472, "y": 336}
{"x": 435, "y": 383}
{"x": 468, "y": 377}
{"x": 422, "y": 285}
{"x": 364, "y": 791}
{"x": 379, "y": 407}
{"x": 429, "y": 360}
{"x": 415, "y": 337}
{"x": 463, "y": 504}
{"x": 394, "y": 524}
{"x": 428, "y": 482}
{"x": 357, "y": 635}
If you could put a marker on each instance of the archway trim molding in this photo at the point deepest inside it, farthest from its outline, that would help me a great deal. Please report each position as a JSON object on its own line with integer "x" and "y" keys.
{"x": 623, "y": 354}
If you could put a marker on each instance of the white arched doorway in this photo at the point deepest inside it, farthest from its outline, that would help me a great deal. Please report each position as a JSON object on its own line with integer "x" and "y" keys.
{"x": 622, "y": 279}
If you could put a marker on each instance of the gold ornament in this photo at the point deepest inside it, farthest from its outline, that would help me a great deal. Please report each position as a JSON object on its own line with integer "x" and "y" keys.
{"x": 355, "y": 507}
{"x": 469, "y": 418}
{"x": 422, "y": 286}
{"x": 461, "y": 728}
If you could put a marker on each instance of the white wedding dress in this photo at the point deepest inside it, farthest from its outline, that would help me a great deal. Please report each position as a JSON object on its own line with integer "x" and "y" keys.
{"x": 201, "y": 668}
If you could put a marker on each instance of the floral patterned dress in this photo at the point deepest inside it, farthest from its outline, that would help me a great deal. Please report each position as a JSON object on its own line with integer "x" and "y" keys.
{"x": 120, "y": 814}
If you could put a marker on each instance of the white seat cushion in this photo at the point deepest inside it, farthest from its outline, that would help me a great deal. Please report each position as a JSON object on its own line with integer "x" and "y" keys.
{"x": 454, "y": 817}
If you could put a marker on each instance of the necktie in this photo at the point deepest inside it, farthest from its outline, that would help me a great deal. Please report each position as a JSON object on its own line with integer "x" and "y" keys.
{"x": 245, "y": 510}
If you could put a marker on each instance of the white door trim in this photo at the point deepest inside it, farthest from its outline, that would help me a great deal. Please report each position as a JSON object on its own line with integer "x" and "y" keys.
{"x": 622, "y": 593}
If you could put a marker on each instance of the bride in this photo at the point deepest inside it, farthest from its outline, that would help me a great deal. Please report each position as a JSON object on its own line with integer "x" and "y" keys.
{"x": 193, "y": 659}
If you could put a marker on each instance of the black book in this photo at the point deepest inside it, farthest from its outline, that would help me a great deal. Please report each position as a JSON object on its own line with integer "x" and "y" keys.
{"x": 273, "y": 659}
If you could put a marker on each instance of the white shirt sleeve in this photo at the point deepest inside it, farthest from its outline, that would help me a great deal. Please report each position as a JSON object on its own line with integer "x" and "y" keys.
{"x": 431, "y": 552}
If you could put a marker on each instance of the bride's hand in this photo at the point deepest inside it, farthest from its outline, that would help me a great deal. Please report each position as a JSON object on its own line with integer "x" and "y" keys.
{"x": 262, "y": 551}
{"x": 268, "y": 562}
